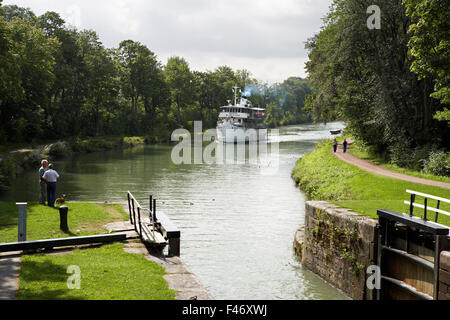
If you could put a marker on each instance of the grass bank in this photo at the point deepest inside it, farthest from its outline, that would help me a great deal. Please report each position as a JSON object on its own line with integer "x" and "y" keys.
{"x": 43, "y": 222}
{"x": 358, "y": 150}
{"x": 106, "y": 273}
{"x": 324, "y": 177}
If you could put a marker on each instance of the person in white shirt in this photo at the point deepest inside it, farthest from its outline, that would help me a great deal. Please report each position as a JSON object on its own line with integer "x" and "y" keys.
{"x": 51, "y": 177}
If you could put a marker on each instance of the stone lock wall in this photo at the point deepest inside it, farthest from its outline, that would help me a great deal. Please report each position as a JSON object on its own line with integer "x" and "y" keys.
{"x": 444, "y": 276}
{"x": 339, "y": 246}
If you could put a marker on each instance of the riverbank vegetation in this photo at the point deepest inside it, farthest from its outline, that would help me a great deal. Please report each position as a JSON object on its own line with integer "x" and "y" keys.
{"x": 390, "y": 85}
{"x": 107, "y": 273}
{"x": 43, "y": 222}
{"x": 434, "y": 168}
{"x": 324, "y": 177}
{"x": 60, "y": 83}
{"x": 15, "y": 162}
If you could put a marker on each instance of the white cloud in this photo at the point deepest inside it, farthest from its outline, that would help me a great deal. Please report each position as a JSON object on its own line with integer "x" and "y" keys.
{"x": 264, "y": 36}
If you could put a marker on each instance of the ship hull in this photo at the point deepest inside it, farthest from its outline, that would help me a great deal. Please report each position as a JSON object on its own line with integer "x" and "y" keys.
{"x": 241, "y": 135}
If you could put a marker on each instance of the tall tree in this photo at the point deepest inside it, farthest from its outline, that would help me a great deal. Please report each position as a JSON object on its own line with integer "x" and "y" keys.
{"x": 430, "y": 46}
{"x": 29, "y": 65}
{"x": 13, "y": 11}
{"x": 102, "y": 86}
{"x": 363, "y": 76}
{"x": 127, "y": 54}
{"x": 180, "y": 80}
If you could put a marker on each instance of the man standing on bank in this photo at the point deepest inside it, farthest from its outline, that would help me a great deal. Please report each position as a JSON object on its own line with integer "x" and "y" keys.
{"x": 42, "y": 183}
{"x": 335, "y": 145}
{"x": 51, "y": 176}
{"x": 345, "y": 145}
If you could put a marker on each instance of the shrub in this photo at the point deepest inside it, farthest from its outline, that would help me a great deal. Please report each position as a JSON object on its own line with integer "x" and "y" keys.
{"x": 438, "y": 163}
{"x": 406, "y": 157}
{"x": 58, "y": 150}
{"x": 7, "y": 171}
{"x": 133, "y": 141}
{"x": 401, "y": 155}
{"x": 32, "y": 159}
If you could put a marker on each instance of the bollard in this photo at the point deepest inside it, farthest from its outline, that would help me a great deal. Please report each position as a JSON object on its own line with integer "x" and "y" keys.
{"x": 22, "y": 234}
{"x": 174, "y": 247}
{"x": 63, "y": 218}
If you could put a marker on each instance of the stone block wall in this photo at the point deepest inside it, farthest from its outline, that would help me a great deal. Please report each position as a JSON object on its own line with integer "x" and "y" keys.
{"x": 339, "y": 246}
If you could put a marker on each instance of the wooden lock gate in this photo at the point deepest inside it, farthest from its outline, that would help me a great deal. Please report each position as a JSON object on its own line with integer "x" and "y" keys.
{"x": 409, "y": 251}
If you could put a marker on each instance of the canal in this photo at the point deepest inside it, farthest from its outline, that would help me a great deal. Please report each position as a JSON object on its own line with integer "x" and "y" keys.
{"x": 237, "y": 221}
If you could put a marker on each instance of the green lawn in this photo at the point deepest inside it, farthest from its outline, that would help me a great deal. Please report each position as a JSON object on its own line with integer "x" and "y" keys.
{"x": 43, "y": 222}
{"x": 106, "y": 273}
{"x": 324, "y": 177}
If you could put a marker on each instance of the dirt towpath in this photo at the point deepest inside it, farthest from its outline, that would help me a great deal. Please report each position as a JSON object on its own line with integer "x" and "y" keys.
{"x": 370, "y": 167}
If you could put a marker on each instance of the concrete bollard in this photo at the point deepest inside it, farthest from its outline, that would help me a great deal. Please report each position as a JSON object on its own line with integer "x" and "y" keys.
{"x": 63, "y": 218}
{"x": 22, "y": 228}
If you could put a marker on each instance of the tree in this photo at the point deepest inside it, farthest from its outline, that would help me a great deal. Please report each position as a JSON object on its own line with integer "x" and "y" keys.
{"x": 29, "y": 63}
{"x": 127, "y": 54}
{"x": 429, "y": 46}
{"x": 51, "y": 22}
{"x": 102, "y": 87}
{"x": 363, "y": 76}
{"x": 12, "y": 11}
{"x": 69, "y": 89}
{"x": 180, "y": 80}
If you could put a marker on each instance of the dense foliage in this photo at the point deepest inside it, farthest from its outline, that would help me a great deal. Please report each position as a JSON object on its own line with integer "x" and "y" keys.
{"x": 58, "y": 82}
{"x": 390, "y": 85}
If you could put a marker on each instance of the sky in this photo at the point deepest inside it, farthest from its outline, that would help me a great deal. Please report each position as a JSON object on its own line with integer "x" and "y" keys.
{"x": 266, "y": 37}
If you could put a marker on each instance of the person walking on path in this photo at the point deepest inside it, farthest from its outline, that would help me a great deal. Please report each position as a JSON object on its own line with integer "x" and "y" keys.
{"x": 42, "y": 183}
{"x": 344, "y": 144}
{"x": 335, "y": 145}
{"x": 51, "y": 176}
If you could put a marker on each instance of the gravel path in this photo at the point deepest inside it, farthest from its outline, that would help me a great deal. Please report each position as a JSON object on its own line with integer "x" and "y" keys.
{"x": 370, "y": 167}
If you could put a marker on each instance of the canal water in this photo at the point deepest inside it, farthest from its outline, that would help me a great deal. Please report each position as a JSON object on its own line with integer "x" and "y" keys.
{"x": 237, "y": 220}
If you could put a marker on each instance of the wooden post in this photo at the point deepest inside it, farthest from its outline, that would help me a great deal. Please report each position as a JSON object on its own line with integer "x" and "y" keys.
{"x": 22, "y": 228}
{"x": 381, "y": 234}
{"x": 63, "y": 218}
{"x": 440, "y": 245}
{"x": 174, "y": 247}
{"x": 425, "y": 209}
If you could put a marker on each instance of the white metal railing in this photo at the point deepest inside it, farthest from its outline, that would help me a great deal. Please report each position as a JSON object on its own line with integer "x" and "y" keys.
{"x": 425, "y": 206}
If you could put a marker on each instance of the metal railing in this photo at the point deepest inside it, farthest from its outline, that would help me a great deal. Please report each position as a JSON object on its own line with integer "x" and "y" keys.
{"x": 162, "y": 231}
{"x": 426, "y": 206}
{"x": 135, "y": 207}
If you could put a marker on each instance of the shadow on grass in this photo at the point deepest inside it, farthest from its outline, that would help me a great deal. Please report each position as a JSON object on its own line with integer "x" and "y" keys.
{"x": 52, "y": 278}
{"x": 70, "y": 233}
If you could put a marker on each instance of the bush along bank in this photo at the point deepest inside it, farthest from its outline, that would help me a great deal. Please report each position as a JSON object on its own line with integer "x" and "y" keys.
{"x": 15, "y": 163}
